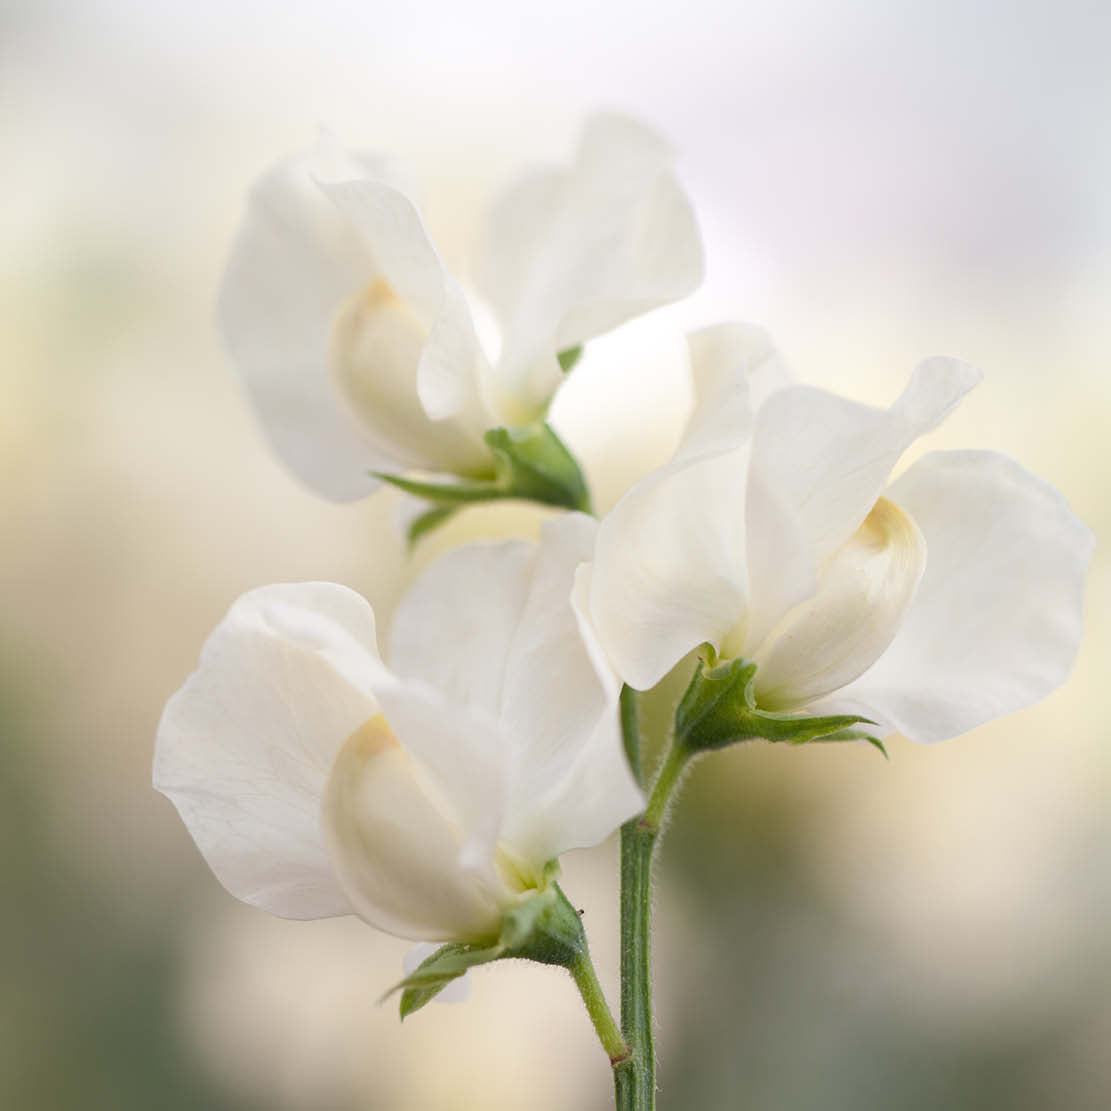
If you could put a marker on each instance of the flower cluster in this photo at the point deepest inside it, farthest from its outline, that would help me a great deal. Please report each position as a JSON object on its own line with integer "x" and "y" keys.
{"x": 431, "y": 787}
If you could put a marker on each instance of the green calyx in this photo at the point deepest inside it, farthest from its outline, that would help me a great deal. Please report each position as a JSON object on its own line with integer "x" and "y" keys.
{"x": 719, "y": 709}
{"x": 544, "y": 927}
{"x": 569, "y": 357}
{"x": 530, "y": 462}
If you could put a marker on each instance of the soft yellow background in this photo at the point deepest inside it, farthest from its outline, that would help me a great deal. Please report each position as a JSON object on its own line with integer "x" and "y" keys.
{"x": 877, "y": 182}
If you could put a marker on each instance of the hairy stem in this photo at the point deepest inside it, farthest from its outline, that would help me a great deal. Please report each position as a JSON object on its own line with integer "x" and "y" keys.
{"x": 609, "y": 1033}
{"x": 635, "y": 1083}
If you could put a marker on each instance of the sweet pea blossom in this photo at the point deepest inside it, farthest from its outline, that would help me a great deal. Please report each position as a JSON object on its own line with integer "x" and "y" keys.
{"x": 427, "y": 792}
{"x": 929, "y": 606}
{"x": 359, "y": 349}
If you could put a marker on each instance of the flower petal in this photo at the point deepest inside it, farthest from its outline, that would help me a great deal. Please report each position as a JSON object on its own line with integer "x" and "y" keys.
{"x": 454, "y": 627}
{"x": 448, "y": 376}
{"x": 569, "y": 254}
{"x": 244, "y": 748}
{"x": 570, "y": 784}
{"x": 396, "y": 848}
{"x": 293, "y": 263}
{"x": 460, "y": 749}
{"x": 997, "y": 619}
{"x": 669, "y": 568}
{"x": 824, "y": 460}
{"x": 492, "y": 625}
{"x": 835, "y": 636}
{"x": 735, "y": 368}
{"x": 378, "y": 346}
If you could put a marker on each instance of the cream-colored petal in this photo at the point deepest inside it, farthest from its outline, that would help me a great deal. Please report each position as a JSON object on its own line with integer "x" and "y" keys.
{"x": 451, "y": 364}
{"x": 864, "y": 591}
{"x": 395, "y": 846}
{"x": 997, "y": 620}
{"x": 375, "y": 352}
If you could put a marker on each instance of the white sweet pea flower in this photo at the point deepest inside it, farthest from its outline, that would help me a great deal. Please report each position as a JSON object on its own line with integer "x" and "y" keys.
{"x": 359, "y": 349}
{"x": 426, "y": 792}
{"x": 932, "y": 605}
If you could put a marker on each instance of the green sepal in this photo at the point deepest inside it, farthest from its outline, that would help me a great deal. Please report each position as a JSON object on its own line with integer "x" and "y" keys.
{"x": 434, "y": 973}
{"x": 529, "y": 462}
{"x": 532, "y": 462}
{"x": 857, "y": 735}
{"x": 719, "y": 709}
{"x": 430, "y": 519}
{"x": 569, "y": 357}
{"x": 543, "y": 927}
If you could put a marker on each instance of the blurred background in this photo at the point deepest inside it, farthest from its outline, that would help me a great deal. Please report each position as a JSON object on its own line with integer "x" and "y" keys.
{"x": 877, "y": 181}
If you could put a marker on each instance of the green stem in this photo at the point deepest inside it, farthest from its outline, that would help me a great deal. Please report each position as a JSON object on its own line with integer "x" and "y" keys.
{"x": 609, "y": 1033}
{"x": 652, "y": 820}
{"x": 635, "y": 1084}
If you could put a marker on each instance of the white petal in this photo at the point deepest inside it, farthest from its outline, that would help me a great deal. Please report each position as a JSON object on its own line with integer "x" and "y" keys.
{"x": 668, "y": 568}
{"x": 828, "y": 458}
{"x": 569, "y": 254}
{"x": 293, "y": 264}
{"x": 454, "y": 626}
{"x": 244, "y": 748}
{"x": 734, "y": 369}
{"x": 997, "y": 619}
{"x": 570, "y": 784}
{"x": 378, "y": 345}
{"x": 395, "y": 845}
{"x": 493, "y": 626}
{"x": 450, "y": 366}
{"x": 669, "y": 563}
{"x": 824, "y": 460}
{"x": 863, "y": 592}
{"x": 461, "y": 749}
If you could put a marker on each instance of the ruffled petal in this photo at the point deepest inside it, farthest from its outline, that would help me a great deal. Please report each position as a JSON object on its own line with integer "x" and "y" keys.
{"x": 245, "y": 747}
{"x": 569, "y": 254}
{"x": 735, "y": 368}
{"x": 824, "y": 460}
{"x": 997, "y": 619}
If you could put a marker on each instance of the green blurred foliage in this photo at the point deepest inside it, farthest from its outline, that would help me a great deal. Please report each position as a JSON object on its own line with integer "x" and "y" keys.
{"x": 785, "y": 1001}
{"x": 90, "y": 988}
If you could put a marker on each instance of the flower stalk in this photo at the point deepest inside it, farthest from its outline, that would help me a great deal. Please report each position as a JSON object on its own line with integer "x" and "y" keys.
{"x": 635, "y": 1085}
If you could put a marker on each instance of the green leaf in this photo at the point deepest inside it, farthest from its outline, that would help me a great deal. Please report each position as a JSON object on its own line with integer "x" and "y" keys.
{"x": 719, "y": 709}
{"x": 569, "y": 357}
{"x": 434, "y": 973}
